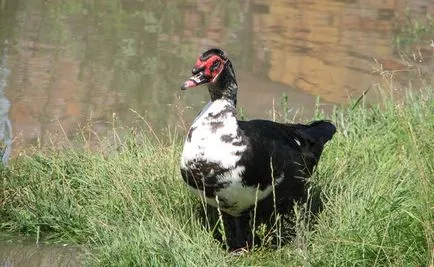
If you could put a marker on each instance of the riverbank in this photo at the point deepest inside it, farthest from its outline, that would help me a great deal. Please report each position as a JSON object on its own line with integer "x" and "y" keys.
{"x": 126, "y": 204}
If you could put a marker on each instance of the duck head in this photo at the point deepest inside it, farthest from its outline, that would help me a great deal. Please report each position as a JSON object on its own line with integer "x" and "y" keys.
{"x": 207, "y": 69}
{"x": 214, "y": 69}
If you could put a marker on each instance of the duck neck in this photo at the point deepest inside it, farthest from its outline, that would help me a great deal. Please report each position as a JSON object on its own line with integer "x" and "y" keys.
{"x": 225, "y": 87}
{"x": 229, "y": 93}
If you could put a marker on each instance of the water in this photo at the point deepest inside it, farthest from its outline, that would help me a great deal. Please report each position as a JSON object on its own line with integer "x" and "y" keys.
{"x": 5, "y": 123}
{"x": 76, "y": 61}
{"x": 21, "y": 253}
{"x": 81, "y": 64}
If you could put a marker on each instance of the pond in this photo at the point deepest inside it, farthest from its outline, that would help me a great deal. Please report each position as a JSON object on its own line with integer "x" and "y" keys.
{"x": 18, "y": 252}
{"x": 75, "y": 62}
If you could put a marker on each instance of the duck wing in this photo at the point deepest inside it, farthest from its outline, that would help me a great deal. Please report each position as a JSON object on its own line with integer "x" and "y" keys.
{"x": 276, "y": 149}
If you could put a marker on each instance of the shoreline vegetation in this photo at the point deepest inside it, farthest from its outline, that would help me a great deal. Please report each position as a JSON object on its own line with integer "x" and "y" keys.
{"x": 125, "y": 203}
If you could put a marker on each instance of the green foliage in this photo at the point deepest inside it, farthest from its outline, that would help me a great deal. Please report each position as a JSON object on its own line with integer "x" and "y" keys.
{"x": 126, "y": 204}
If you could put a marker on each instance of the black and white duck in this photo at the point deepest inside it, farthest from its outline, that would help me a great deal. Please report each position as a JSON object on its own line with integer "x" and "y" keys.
{"x": 234, "y": 165}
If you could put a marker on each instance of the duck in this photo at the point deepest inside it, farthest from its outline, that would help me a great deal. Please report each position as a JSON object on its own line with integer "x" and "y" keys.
{"x": 239, "y": 166}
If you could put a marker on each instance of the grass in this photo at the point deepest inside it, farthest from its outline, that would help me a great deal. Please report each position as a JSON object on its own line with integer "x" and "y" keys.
{"x": 126, "y": 204}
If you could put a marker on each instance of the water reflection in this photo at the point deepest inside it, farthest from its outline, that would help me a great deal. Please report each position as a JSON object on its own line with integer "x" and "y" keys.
{"x": 78, "y": 61}
{"x": 327, "y": 48}
{"x": 5, "y": 123}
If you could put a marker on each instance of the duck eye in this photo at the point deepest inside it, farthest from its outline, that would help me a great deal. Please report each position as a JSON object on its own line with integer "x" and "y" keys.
{"x": 215, "y": 65}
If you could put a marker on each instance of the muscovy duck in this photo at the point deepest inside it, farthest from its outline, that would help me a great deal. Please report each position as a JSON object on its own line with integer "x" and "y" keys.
{"x": 234, "y": 165}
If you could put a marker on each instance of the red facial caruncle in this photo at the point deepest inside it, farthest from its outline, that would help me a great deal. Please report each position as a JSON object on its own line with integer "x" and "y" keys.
{"x": 211, "y": 66}
{"x": 205, "y": 70}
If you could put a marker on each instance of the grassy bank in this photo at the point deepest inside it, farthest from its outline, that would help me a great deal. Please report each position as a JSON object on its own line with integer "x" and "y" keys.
{"x": 127, "y": 206}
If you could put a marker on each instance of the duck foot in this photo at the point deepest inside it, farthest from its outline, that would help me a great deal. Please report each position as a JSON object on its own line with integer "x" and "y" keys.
{"x": 239, "y": 252}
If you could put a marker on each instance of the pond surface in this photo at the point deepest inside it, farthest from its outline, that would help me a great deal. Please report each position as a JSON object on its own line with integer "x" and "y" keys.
{"x": 24, "y": 253}
{"x": 80, "y": 63}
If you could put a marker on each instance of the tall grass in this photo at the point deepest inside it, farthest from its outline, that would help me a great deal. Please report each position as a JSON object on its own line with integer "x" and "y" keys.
{"x": 126, "y": 204}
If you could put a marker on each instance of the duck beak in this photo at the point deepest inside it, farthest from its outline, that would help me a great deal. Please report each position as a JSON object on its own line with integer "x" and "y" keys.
{"x": 195, "y": 80}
